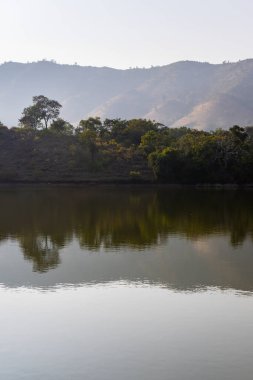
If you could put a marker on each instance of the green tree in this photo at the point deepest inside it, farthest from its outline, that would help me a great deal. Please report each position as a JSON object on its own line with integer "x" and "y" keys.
{"x": 157, "y": 140}
{"x": 49, "y": 108}
{"x": 115, "y": 128}
{"x": 129, "y": 132}
{"x": 62, "y": 127}
{"x": 239, "y": 133}
{"x": 40, "y": 113}
{"x": 89, "y": 138}
{"x": 31, "y": 117}
{"x": 167, "y": 165}
{"x": 93, "y": 124}
{"x": 136, "y": 128}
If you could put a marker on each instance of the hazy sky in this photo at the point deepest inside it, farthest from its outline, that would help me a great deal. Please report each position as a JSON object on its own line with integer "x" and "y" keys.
{"x": 126, "y": 33}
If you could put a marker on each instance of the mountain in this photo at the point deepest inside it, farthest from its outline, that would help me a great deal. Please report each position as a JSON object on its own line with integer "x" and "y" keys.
{"x": 195, "y": 94}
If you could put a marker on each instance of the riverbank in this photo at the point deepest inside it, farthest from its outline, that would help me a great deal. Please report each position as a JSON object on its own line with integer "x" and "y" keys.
{"x": 125, "y": 184}
{"x": 129, "y": 152}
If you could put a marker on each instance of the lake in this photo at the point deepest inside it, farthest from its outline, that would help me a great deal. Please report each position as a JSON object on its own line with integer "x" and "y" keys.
{"x": 122, "y": 283}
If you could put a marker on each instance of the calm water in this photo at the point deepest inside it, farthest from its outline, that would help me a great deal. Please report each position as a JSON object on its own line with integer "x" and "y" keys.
{"x": 126, "y": 284}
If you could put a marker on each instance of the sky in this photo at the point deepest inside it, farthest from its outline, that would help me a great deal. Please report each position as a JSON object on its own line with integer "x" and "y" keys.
{"x": 126, "y": 33}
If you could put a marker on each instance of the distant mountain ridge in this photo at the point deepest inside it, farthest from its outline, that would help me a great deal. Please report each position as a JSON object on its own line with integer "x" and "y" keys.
{"x": 194, "y": 94}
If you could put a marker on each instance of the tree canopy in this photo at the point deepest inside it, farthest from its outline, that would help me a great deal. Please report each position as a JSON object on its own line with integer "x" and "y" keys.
{"x": 40, "y": 113}
{"x": 47, "y": 147}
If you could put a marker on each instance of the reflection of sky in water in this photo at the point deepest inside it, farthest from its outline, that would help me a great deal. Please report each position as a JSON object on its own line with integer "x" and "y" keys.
{"x": 113, "y": 332}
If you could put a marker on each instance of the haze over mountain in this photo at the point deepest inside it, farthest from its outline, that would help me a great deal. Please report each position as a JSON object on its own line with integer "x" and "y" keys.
{"x": 199, "y": 95}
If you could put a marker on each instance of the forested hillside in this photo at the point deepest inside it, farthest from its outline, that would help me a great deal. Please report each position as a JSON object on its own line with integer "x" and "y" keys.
{"x": 47, "y": 148}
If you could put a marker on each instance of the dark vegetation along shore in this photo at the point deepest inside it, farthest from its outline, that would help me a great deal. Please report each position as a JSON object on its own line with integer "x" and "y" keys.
{"x": 46, "y": 148}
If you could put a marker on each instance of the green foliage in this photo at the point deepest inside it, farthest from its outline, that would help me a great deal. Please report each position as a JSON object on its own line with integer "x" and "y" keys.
{"x": 60, "y": 126}
{"x": 167, "y": 165}
{"x": 239, "y": 133}
{"x": 31, "y": 117}
{"x": 40, "y": 113}
{"x": 129, "y": 150}
{"x": 157, "y": 140}
{"x": 93, "y": 124}
{"x": 135, "y": 129}
{"x": 88, "y": 138}
{"x": 202, "y": 157}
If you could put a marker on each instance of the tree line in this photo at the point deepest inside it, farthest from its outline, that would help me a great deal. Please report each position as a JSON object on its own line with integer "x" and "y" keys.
{"x": 137, "y": 149}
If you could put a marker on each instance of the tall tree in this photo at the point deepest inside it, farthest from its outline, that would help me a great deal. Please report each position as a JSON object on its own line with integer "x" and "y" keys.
{"x": 31, "y": 117}
{"x": 49, "y": 108}
{"x": 40, "y": 113}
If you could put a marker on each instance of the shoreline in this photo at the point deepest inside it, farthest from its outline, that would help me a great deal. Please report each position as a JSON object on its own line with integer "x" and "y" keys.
{"x": 123, "y": 184}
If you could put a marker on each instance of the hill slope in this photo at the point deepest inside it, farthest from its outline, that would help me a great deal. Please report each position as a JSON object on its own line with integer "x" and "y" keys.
{"x": 195, "y": 94}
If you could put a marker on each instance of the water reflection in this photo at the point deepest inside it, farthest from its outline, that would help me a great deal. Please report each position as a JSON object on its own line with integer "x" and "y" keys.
{"x": 42, "y": 251}
{"x": 177, "y": 238}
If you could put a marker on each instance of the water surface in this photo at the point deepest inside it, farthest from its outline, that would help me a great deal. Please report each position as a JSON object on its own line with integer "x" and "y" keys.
{"x": 126, "y": 283}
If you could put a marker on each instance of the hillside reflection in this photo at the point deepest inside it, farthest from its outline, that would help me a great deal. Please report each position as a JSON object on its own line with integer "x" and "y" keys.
{"x": 44, "y": 221}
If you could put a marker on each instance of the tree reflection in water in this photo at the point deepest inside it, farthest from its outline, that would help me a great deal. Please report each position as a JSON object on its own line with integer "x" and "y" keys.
{"x": 42, "y": 251}
{"x": 44, "y": 220}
